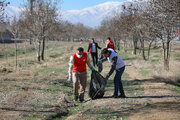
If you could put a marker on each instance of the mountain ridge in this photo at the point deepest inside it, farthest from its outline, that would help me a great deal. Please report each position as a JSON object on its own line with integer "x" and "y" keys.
{"x": 91, "y": 16}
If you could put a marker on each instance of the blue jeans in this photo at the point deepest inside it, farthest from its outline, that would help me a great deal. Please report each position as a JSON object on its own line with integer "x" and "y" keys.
{"x": 118, "y": 83}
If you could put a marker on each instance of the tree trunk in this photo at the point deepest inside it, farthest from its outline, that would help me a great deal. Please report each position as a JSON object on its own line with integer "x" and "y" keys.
{"x": 142, "y": 49}
{"x": 166, "y": 64}
{"x": 39, "y": 51}
{"x": 166, "y": 59}
{"x": 149, "y": 49}
{"x": 167, "y": 55}
{"x": 43, "y": 48}
{"x": 118, "y": 45}
{"x": 115, "y": 43}
{"x": 16, "y": 52}
{"x": 124, "y": 46}
{"x": 135, "y": 46}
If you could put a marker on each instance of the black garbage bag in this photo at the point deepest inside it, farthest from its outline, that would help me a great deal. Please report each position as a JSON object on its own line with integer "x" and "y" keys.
{"x": 97, "y": 85}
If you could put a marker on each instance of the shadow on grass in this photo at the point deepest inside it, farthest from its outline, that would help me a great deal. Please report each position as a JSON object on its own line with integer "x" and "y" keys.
{"x": 27, "y": 111}
{"x": 175, "y": 81}
{"x": 110, "y": 83}
{"x": 130, "y": 58}
{"x": 137, "y": 97}
{"x": 62, "y": 82}
{"x": 132, "y": 86}
{"x": 163, "y": 96}
{"x": 108, "y": 113}
{"x": 58, "y": 114}
{"x": 51, "y": 86}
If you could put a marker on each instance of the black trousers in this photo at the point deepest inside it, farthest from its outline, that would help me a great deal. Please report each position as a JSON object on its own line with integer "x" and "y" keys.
{"x": 94, "y": 58}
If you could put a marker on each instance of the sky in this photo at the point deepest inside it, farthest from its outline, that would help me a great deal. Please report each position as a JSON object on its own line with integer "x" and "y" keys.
{"x": 67, "y": 4}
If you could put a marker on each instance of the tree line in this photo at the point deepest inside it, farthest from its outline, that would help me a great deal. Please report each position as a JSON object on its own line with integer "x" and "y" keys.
{"x": 138, "y": 24}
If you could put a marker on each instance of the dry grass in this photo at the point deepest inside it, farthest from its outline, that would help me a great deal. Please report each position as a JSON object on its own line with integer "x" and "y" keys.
{"x": 38, "y": 90}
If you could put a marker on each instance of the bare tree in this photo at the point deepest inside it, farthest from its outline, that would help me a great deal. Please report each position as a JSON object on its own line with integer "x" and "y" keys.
{"x": 15, "y": 32}
{"x": 166, "y": 18}
{"x": 40, "y": 23}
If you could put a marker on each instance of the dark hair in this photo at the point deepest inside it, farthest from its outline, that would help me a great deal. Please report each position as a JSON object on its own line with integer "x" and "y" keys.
{"x": 109, "y": 38}
{"x": 104, "y": 51}
{"x": 80, "y": 49}
{"x": 92, "y": 38}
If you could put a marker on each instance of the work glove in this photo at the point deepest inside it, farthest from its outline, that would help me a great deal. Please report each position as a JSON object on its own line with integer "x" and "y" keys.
{"x": 92, "y": 69}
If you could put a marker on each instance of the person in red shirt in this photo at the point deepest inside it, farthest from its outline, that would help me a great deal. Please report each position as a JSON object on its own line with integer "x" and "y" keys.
{"x": 77, "y": 72}
{"x": 109, "y": 43}
{"x": 92, "y": 48}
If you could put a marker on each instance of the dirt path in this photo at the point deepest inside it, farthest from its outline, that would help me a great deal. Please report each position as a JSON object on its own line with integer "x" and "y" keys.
{"x": 155, "y": 101}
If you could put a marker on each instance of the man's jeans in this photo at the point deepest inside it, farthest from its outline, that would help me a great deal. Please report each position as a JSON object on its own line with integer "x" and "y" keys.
{"x": 118, "y": 83}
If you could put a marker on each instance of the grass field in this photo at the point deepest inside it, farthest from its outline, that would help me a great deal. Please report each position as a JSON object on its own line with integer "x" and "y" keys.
{"x": 37, "y": 91}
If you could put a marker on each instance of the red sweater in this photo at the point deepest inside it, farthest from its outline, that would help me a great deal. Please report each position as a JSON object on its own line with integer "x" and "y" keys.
{"x": 80, "y": 63}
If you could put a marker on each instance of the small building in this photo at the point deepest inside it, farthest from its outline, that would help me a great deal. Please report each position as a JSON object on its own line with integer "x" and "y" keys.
{"x": 5, "y": 34}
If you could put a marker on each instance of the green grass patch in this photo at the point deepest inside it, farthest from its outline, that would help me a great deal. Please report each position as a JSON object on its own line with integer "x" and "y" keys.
{"x": 9, "y": 79}
{"x": 110, "y": 85}
{"x": 10, "y": 51}
{"x": 145, "y": 72}
{"x": 125, "y": 76}
{"x": 47, "y": 70}
{"x": 33, "y": 117}
{"x": 123, "y": 55}
{"x": 175, "y": 85}
{"x": 176, "y": 56}
{"x": 56, "y": 88}
{"x": 133, "y": 88}
{"x": 177, "y": 89}
{"x": 104, "y": 113}
{"x": 55, "y": 55}
{"x": 155, "y": 61}
{"x": 56, "y": 70}
{"x": 130, "y": 82}
{"x": 73, "y": 110}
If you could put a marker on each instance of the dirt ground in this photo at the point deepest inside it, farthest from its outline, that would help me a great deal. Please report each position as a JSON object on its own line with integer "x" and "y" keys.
{"x": 26, "y": 95}
{"x": 158, "y": 102}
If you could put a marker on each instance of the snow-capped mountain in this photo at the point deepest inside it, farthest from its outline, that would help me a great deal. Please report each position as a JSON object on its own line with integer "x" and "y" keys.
{"x": 92, "y": 16}
{"x": 12, "y": 11}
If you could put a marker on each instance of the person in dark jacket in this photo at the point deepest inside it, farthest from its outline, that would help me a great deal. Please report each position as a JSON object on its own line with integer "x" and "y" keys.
{"x": 93, "y": 50}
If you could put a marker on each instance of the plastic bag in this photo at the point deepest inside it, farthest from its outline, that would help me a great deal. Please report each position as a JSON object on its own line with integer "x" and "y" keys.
{"x": 97, "y": 85}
